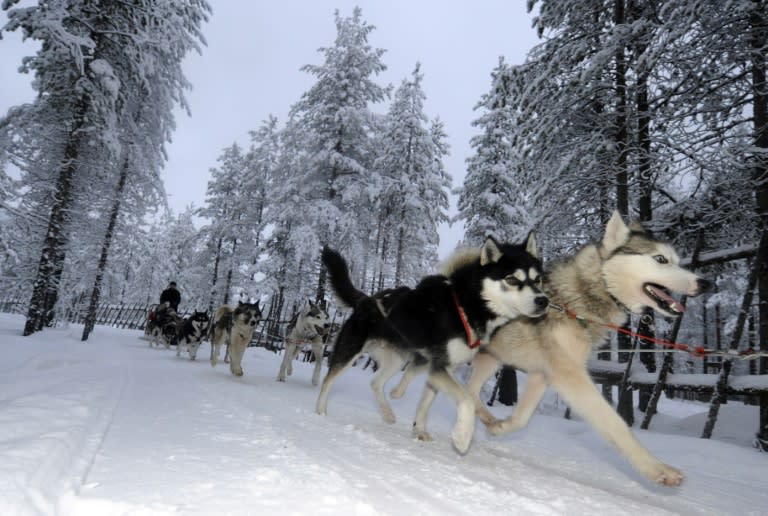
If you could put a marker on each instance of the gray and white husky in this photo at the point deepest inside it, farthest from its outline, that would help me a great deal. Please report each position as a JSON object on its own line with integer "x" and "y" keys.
{"x": 234, "y": 325}
{"x": 603, "y": 283}
{"x": 309, "y": 326}
{"x": 443, "y": 320}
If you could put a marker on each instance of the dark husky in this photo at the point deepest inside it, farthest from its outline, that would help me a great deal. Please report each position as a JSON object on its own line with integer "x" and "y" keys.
{"x": 602, "y": 283}
{"x": 443, "y": 320}
{"x": 191, "y": 332}
{"x": 161, "y": 326}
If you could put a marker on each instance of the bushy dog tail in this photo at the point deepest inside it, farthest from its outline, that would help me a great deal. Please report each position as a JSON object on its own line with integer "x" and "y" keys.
{"x": 340, "y": 281}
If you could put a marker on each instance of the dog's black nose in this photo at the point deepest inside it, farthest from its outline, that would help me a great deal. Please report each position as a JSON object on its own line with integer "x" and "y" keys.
{"x": 705, "y": 286}
{"x": 541, "y": 302}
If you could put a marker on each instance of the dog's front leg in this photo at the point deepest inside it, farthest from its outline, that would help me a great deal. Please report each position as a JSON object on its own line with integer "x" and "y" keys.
{"x": 535, "y": 387}
{"x": 214, "y": 352}
{"x": 236, "y": 352}
{"x": 582, "y": 395}
{"x": 389, "y": 364}
{"x": 192, "y": 348}
{"x": 411, "y": 371}
{"x": 464, "y": 427}
{"x": 483, "y": 367}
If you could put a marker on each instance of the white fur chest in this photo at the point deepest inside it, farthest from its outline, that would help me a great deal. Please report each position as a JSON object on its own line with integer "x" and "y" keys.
{"x": 459, "y": 352}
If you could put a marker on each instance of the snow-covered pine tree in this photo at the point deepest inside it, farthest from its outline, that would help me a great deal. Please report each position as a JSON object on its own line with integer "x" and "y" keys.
{"x": 225, "y": 230}
{"x": 92, "y": 64}
{"x": 336, "y": 111}
{"x": 414, "y": 186}
{"x": 492, "y": 199}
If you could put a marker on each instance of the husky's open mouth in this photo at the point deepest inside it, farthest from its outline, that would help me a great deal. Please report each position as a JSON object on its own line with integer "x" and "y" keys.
{"x": 663, "y": 299}
{"x": 320, "y": 329}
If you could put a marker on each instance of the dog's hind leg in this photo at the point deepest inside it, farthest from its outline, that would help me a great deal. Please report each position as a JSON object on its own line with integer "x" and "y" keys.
{"x": 582, "y": 396}
{"x": 216, "y": 342}
{"x": 415, "y": 367}
{"x": 334, "y": 370}
{"x": 535, "y": 388}
{"x": 348, "y": 346}
{"x": 483, "y": 367}
{"x": 389, "y": 364}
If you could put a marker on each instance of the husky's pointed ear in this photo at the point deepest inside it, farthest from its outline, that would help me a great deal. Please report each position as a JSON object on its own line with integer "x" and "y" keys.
{"x": 490, "y": 252}
{"x": 616, "y": 233}
{"x": 531, "y": 247}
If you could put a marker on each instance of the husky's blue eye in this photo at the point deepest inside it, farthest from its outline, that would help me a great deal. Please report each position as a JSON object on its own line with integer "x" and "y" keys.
{"x": 660, "y": 258}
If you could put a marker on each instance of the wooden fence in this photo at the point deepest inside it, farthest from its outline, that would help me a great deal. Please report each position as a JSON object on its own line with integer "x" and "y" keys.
{"x": 134, "y": 317}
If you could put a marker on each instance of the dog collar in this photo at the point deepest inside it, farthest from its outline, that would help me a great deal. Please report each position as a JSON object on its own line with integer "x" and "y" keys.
{"x": 471, "y": 343}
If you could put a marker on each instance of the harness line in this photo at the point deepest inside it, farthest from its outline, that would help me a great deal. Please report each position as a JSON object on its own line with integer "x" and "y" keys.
{"x": 697, "y": 351}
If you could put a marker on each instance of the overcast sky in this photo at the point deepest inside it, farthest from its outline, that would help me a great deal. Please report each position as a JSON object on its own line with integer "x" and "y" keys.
{"x": 251, "y": 69}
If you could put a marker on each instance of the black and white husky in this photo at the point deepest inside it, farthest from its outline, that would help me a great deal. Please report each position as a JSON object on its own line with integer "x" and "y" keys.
{"x": 309, "y": 326}
{"x": 443, "y": 320}
{"x": 234, "y": 325}
{"x": 191, "y": 332}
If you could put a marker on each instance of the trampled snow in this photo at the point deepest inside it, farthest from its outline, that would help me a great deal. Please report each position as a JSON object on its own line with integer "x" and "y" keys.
{"x": 112, "y": 427}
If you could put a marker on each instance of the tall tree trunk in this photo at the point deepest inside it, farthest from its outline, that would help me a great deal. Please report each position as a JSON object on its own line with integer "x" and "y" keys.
{"x": 759, "y": 37}
{"x": 215, "y": 275}
{"x": 228, "y": 283}
{"x": 645, "y": 208}
{"x": 90, "y": 317}
{"x": 46, "y": 284}
{"x": 624, "y": 342}
{"x": 399, "y": 259}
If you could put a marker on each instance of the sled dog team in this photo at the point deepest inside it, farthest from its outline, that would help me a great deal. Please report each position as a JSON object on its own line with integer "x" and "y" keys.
{"x": 491, "y": 306}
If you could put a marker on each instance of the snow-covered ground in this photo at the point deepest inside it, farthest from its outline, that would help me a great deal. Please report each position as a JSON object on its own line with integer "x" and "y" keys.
{"x": 112, "y": 427}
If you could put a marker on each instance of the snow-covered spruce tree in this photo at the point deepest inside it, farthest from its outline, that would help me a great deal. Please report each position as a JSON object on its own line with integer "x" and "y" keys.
{"x": 491, "y": 200}
{"x": 91, "y": 56}
{"x": 413, "y": 187}
{"x": 230, "y": 233}
{"x": 12, "y": 230}
{"x": 147, "y": 65}
{"x": 336, "y": 111}
{"x": 288, "y": 269}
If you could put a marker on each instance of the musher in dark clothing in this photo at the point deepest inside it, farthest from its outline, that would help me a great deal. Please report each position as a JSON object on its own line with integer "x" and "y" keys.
{"x": 172, "y": 295}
